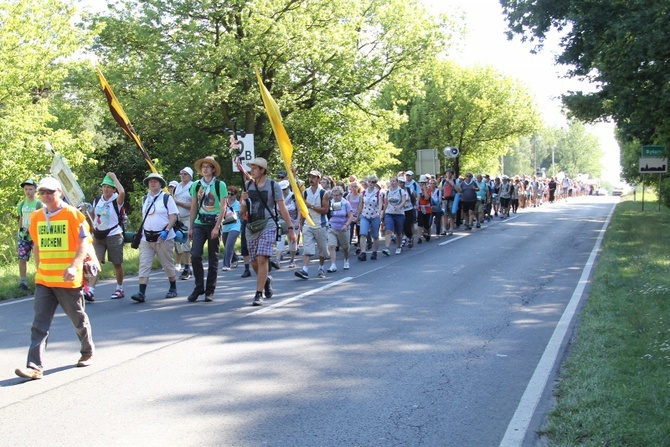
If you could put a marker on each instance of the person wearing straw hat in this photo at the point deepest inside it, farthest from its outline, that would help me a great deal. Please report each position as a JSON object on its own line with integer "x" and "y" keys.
{"x": 263, "y": 201}
{"x": 159, "y": 213}
{"x": 25, "y": 244}
{"x": 208, "y": 206}
{"x": 108, "y": 228}
{"x": 62, "y": 243}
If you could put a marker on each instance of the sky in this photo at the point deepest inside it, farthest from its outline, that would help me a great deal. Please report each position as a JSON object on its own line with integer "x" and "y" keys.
{"x": 485, "y": 43}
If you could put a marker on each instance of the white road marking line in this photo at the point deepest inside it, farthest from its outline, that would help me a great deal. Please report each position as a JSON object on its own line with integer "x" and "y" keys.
{"x": 518, "y": 426}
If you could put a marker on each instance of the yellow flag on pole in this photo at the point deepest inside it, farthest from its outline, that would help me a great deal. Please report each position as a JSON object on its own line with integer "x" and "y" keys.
{"x": 285, "y": 147}
{"x": 121, "y": 118}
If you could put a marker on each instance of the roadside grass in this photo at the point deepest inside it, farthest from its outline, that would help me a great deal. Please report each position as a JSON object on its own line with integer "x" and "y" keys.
{"x": 614, "y": 387}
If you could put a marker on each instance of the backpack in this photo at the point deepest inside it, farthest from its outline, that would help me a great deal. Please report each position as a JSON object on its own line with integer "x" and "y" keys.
{"x": 120, "y": 213}
{"x": 322, "y": 192}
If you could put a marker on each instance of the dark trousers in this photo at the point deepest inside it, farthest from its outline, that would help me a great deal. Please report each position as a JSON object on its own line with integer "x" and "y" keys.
{"x": 202, "y": 234}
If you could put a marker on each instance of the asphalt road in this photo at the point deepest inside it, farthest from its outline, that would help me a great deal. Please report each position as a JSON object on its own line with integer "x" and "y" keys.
{"x": 434, "y": 347}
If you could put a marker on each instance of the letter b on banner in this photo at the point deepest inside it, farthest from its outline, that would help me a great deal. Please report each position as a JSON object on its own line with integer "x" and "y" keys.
{"x": 248, "y": 153}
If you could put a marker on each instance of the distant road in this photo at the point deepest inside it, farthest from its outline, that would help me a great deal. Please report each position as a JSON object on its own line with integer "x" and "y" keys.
{"x": 434, "y": 347}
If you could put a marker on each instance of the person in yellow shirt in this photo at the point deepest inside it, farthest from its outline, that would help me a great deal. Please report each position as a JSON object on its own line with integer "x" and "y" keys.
{"x": 62, "y": 243}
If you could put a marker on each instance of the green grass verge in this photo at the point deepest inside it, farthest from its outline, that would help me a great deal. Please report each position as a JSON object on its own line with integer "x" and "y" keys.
{"x": 614, "y": 387}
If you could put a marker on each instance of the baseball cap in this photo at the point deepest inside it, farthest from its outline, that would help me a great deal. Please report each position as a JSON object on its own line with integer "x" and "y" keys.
{"x": 29, "y": 182}
{"x": 283, "y": 184}
{"x": 315, "y": 173}
{"x": 49, "y": 183}
{"x": 187, "y": 170}
{"x": 409, "y": 172}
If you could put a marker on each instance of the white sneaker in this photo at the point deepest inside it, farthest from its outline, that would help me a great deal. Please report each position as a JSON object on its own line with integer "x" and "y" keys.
{"x": 177, "y": 267}
{"x": 398, "y": 251}
{"x": 346, "y": 265}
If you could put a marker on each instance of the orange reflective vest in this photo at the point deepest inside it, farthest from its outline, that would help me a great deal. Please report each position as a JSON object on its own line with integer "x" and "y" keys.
{"x": 57, "y": 242}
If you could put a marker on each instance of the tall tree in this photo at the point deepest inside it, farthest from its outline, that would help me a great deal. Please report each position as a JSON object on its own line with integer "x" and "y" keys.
{"x": 478, "y": 110}
{"x": 37, "y": 42}
{"x": 186, "y": 68}
{"x": 622, "y": 46}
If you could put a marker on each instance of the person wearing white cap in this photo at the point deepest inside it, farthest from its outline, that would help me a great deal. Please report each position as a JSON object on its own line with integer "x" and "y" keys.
{"x": 292, "y": 207}
{"x": 182, "y": 197}
{"x": 25, "y": 244}
{"x": 62, "y": 243}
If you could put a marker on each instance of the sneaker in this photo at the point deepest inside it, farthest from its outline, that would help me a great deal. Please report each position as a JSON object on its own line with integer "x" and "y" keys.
{"x": 85, "y": 360}
{"x": 363, "y": 256}
{"x": 426, "y": 237}
{"x": 292, "y": 265}
{"x": 258, "y": 299}
{"x": 444, "y": 233}
{"x": 29, "y": 373}
{"x": 177, "y": 267}
{"x": 89, "y": 296}
{"x": 451, "y": 233}
{"x": 418, "y": 241}
{"x": 268, "y": 287}
{"x": 479, "y": 225}
{"x": 321, "y": 274}
{"x": 209, "y": 297}
{"x": 468, "y": 227}
{"x": 185, "y": 274}
{"x": 172, "y": 293}
{"x": 23, "y": 286}
{"x": 301, "y": 274}
{"x": 332, "y": 269}
{"x": 275, "y": 265}
{"x": 193, "y": 297}
{"x": 346, "y": 265}
{"x": 139, "y": 297}
{"x": 385, "y": 252}
{"x": 373, "y": 256}
{"x": 398, "y": 251}
{"x": 246, "y": 273}
{"x": 118, "y": 293}
{"x": 411, "y": 243}
{"x": 358, "y": 250}
{"x": 225, "y": 269}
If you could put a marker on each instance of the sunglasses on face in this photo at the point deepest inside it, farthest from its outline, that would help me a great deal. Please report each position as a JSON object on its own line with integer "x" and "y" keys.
{"x": 46, "y": 191}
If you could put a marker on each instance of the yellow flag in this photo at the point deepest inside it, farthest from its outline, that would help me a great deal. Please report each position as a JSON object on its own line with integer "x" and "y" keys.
{"x": 121, "y": 118}
{"x": 285, "y": 147}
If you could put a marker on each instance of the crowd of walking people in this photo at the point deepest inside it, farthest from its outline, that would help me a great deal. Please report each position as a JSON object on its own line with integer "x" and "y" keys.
{"x": 342, "y": 223}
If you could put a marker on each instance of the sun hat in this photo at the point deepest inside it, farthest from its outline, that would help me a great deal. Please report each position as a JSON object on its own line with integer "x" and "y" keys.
{"x": 258, "y": 161}
{"x": 156, "y": 176}
{"x": 108, "y": 181}
{"x": 187, "y": 170}
{"x": 284, "y": 184}
{"x": 173, "y": 183}
{"x": 49, "y": 183}
{"x": 209, "y": 160}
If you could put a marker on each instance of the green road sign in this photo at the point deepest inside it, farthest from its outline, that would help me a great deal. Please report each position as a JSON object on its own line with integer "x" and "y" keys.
{"x": 653, "y": 151}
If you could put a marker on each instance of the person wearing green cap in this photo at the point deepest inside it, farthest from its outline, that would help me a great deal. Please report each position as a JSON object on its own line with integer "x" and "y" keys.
{"x": 108, "y": 229}
{"x": 25, "y": 243}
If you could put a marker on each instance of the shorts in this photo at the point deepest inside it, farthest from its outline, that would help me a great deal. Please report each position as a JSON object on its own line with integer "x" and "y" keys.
{"x": 479, "y": 208}
{"x": 504, "y": 202}
{"x": 112, "y": 245}
{"x": 467, "y": 206}
{"x": 263, "y": 244}
{"x": 25, "y": 247}
{"x": 340, "y": 238}
{"x": 313, "y": 238}
{"x": 448, "y": 206}
{"x": 394, "y": 222}
{"x": 370, "y": 226}
{"x": 183, "y": 247}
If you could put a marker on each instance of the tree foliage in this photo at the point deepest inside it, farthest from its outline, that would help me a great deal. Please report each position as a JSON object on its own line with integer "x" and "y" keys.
{"x": 183, "y": 69}
{"x": 37, "y": 42}
{"x": 623, "y": 46}
{"x": 478, "y": 110}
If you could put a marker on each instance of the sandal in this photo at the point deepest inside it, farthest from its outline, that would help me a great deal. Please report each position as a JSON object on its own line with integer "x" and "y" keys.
{"x": 117, "y": 294}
